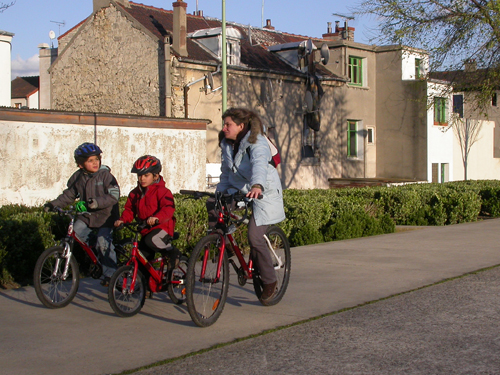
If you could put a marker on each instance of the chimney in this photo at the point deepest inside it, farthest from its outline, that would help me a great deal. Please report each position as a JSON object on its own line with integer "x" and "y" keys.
{"x": 470, "y": 65}
{"x": 268, "y": 25}
{"x": 180, "y": 28}
{"x": 46, "y": 58}
{"x": 329, "y": 35}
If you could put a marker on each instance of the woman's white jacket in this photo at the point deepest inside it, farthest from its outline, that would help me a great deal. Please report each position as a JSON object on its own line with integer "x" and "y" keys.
{"x": 250, "y": 166}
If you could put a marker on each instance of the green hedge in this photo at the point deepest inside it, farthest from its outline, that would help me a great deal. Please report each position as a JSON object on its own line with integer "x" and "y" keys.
{"x": 313, "y": 216}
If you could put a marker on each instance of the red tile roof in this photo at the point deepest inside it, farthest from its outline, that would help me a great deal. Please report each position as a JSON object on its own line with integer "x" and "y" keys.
{"x": 254, "y": 56}
{"x": 23, "y": 87}
{"x": 257, "y": 57}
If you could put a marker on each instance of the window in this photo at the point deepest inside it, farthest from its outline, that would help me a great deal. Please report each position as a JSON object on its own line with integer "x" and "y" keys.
{"x": 445, "y": 172}
{"x": 370, "y": 135}
{"x": 356, "y": 70}
{"x": 440, "y": 111}
{"x": 233, "y": 52}
{"x": 494, "y": 99}
{"x": 418, "y": 68}
{"x": 458, "y": 105}
{"x": 352, "y": 138}
{"x": 308, "y": 142}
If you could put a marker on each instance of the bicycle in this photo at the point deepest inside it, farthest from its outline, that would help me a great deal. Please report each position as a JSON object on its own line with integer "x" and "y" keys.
{"x": 127, "y": 287}
{"x": 56, "y": 276}
{"x": 208, "y": 267}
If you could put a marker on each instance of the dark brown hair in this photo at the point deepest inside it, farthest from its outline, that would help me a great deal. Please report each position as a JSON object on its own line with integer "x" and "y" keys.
{"x": 249, "y": 119}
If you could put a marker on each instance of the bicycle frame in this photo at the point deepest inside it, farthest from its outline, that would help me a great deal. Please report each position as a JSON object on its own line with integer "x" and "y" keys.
{"x": 156, "y": 283}
{"x": 68, "y": 243}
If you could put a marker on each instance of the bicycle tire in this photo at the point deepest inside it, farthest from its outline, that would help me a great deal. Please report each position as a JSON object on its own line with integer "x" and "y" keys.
{"x": 124, "y": 303}
{"x": 51, "y": 290}
{"x": 281, "y": 248}
{"x": 177, "y": 292}
{"x": 205, "y": 298}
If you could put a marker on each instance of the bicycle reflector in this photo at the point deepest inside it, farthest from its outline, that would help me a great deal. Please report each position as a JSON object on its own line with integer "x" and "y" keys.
{"x": 80, "y": 206}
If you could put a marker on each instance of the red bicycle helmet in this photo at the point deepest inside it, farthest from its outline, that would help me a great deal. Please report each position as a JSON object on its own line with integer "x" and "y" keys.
{"x": 146, "y": 164}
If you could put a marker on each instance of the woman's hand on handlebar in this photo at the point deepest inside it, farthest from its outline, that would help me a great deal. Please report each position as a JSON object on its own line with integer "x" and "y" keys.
{"x": 255, "y": 193}
{"x": 118, "y": 223}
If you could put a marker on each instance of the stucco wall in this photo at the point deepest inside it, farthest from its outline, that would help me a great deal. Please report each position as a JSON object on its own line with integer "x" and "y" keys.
{"x": 481, "y": 161}
{"x": 101, "y": 70}
{"x": 38, "y": 156}
{"x": 401, "y": 132}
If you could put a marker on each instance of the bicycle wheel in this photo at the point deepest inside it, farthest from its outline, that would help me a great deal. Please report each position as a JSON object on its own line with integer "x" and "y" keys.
{"x": 177, "y": 292}
{"x": 123, "y": 301}
{"x": 282, "y": 261}
{"x": 52, "y": 289}
{"x": 206, "y": 294}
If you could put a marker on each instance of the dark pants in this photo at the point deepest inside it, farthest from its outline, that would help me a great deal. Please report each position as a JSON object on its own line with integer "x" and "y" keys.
{"x": 258, "y": 246}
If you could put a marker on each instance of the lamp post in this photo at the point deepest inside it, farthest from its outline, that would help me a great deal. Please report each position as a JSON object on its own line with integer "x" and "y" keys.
{"x": 224, "y": 58}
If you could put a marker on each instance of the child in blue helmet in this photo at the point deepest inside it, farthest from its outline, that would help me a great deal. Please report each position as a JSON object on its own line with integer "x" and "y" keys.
{"x": 93, "y": 184}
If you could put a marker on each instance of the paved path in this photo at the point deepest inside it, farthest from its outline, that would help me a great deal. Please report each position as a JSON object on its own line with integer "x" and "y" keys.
{"x": 87, "y": 338}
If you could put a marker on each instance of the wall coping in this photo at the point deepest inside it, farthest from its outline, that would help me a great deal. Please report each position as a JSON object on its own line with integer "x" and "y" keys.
{"x": 102, "y": 119}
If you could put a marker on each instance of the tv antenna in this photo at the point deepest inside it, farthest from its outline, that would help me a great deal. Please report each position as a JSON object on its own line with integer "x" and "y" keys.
{"x": 63, "y": 23}
{"x": 346, "y": 26}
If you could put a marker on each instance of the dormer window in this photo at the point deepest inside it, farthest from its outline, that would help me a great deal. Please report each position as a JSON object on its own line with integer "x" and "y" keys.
{"x": 211, "y": 39}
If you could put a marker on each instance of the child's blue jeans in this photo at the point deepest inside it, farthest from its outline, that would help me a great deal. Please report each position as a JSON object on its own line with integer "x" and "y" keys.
{"x": 104, "y": 245}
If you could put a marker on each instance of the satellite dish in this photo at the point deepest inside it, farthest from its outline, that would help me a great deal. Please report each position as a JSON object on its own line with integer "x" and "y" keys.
{"x": 309, "y": 101}
{"x": 52, "y": 34}
{"x": 325, "y": 53}
{"x": 309, "y": 46}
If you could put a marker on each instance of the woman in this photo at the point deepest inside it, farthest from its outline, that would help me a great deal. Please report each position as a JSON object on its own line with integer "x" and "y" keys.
{"x": 245, "y": 167}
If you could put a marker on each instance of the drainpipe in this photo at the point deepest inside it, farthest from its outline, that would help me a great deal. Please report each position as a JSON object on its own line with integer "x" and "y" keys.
{"x": 168, "y": 83}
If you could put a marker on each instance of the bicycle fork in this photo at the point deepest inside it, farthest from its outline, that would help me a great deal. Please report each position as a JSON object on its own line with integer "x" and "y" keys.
{"x": 67, "y": 255}
{"x": 280, "y": 262}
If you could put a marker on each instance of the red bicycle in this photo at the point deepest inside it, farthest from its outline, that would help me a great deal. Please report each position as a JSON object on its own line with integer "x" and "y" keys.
{"x": 208, "y": 268}
{"x": 56, "y": 276}
{"x": 127, "y": 287}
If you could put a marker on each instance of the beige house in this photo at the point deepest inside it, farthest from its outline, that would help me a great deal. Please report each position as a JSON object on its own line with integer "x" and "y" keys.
{"x": 337, "y": 109}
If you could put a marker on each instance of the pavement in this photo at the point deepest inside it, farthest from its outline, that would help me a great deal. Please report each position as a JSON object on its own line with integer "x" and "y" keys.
{"x": 449, "y": 327}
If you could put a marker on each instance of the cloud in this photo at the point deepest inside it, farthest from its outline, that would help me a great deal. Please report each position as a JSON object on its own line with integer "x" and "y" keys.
{"x": 22, "y": 68}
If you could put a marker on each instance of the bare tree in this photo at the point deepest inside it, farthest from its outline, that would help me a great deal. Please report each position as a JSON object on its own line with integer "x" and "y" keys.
{"x": 467, "y": 132}
{"x": 452, "y": 31}
{"x": 4, "y": 6}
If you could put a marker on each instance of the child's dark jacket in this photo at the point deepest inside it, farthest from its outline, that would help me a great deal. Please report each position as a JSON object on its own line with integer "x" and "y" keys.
{"x": 101, "y": 186}
{"x": 155, "y": 200}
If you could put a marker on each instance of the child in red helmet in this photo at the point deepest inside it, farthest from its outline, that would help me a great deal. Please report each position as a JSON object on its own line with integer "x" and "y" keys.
{"x": 98, "y": 191}
{"x": 153, "y": 203}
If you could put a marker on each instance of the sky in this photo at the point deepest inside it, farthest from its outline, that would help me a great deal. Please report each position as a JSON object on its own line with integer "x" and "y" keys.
{"x": 32, "y": 20}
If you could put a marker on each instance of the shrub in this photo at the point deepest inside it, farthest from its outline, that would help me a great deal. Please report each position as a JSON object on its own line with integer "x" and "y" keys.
{"x": 313, "y": 216}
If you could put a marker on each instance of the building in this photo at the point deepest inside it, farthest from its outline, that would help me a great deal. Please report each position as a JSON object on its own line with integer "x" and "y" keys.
{"x": 25, "y": 92}
{"x": 5, "y": 67}
{"x": 337, "y": 109}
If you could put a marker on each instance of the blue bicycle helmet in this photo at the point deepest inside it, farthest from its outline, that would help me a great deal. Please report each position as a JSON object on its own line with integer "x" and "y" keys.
{"x": 85, "y": 150}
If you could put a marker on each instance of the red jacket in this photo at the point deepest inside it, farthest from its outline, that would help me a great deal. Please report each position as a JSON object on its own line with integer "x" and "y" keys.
{"x": 155, "y": 200}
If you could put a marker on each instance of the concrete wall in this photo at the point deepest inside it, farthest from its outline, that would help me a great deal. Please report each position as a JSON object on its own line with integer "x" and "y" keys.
{"x": 37, "y": 151}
